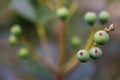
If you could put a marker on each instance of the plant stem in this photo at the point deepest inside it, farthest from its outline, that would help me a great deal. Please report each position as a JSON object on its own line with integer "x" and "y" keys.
{"x": 31, "y": 48}
{"x": 62, "y": 33}
{"x": 90, "y": 39}
{"x": 44, "y": 42}
{"x": 36, "y": 55}
{"x": 62, "y": 43}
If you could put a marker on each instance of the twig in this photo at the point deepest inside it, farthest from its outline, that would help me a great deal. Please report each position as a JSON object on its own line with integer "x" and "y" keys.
{"x": 44, "y": 43}
{"x": 62, "y": 43}
{"x": 36, "y": 54}
{"x": 73, "y": 62}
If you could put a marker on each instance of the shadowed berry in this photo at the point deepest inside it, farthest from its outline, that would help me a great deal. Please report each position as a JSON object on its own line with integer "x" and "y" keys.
{"x": 95, "y": 52}
{"x": 62, "y": 13}
{"x": 104, "y": 17}
{"x": 90, "y": 18}
{"x": 83, "y": 55}
{"x": 101, "y": 37}
{"x": 13, "y": 40}
{"x": 16, "y": 30}
{"x": 23, "y": 53}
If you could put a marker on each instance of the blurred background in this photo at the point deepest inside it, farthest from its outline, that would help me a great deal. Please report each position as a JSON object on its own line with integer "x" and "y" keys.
{"x": 27, "y": 12}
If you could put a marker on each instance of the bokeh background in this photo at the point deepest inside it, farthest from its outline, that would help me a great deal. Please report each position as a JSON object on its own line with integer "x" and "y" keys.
{"x": 23, "y": 12}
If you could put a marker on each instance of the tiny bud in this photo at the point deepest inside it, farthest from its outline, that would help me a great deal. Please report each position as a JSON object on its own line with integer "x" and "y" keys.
{"x": 112, "y": 27}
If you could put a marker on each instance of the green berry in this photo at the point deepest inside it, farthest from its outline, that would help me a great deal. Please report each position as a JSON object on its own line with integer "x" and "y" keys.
{"x": 23, "y": 53}
{"x": 95, "y": 52}
{"x": 75, "y": 41}
{"x": 101, "y": 37}
{"x": 104, "y": 17}
{"x": 112, "y": 27}
{"x": 62, "y": 13}
{"x": 16, "y": 30}
{"x": 83, "y": 55}
{"x": 13, "y": 40}
{"x": 90, "y": 18}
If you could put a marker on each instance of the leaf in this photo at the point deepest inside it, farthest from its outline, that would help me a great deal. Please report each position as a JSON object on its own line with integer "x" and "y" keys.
{"x": 25, "y": 9}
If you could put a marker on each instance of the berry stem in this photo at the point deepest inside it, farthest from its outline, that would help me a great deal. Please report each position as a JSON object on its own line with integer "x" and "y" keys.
{"x": 44, "y": 42}
{"x": 62, "y": 44}
{"x": 90, "y": 39}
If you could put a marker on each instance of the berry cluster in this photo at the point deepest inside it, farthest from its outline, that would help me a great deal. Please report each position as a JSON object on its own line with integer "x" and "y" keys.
{"x": 16, "y": 31}
{"x": 100, "y": 37}
{"x": 91, "y": 17}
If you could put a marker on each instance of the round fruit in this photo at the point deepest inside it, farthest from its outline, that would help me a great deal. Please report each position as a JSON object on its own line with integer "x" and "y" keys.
{"x": 95, "y": 52}
{"x": 101, "y": 37}
{"x": 13, "y": 40}
{"x": 16, "y": 30}
{"x": 90, "y": 18}
{"x": 75, "y": 41}
{"x": 62, "y": 13}
{"x": 83, "y": 55}
{"x": 104, "y": 17}
{"x": 23, "y": 53}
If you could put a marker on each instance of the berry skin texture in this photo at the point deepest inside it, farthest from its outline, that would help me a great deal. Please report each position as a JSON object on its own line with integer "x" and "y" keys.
{"x": 104, "y": 17}
{"x": 90, "y": 18}
{"x": 16, "y": 30}
{"x": 62, "y": 13}
{"x": 13, "y": 40}
{"x": 95, "y": 52}
{"x": 83, "y": 55}
{"x": 101, "y": 37}
{"x": 23, "y": 53}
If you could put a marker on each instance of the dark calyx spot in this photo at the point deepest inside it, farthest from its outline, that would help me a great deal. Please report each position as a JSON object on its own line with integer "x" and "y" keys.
{"x": 81, "y": 53}
{"x": 96, "y": 51}
{"x": 100, "y": 34}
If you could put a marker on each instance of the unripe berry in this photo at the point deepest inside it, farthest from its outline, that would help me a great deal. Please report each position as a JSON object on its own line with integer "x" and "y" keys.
{"x": 104, "y": 17}
{"x": 95, "y": 52}
{"x": 101, "y": 37}
{"x": 13, "y": 40}
{"x": 75, "y": 41}
{"x": 62, "y": 13}
{"x": 16, "y": 30}
{"x": 23, "y": 53}
{"x": 90, "y": 18}
{"x": 83, "y": 55}
{"x": 112, "y": 27}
